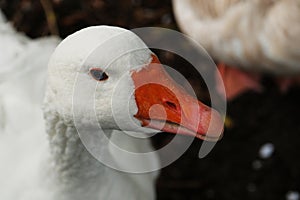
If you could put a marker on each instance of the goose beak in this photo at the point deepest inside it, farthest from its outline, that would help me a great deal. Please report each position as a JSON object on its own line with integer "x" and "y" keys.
{"x": 164, "y": 105}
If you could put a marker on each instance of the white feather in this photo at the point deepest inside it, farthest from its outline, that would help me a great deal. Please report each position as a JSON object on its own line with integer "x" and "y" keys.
{"x": 251, "y": 34}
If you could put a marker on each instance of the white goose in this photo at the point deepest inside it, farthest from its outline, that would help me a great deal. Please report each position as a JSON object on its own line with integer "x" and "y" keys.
{"x": 253, "y": 35}
{"x": 56, "y": 165}
{"x": 22, "y": 75}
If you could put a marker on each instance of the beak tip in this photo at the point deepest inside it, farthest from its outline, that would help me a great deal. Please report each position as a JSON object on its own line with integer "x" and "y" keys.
{"x": 215, "y": 126}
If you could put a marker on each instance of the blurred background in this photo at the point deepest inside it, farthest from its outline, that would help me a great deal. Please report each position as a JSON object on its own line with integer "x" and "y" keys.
{"x": 258, "y": 157}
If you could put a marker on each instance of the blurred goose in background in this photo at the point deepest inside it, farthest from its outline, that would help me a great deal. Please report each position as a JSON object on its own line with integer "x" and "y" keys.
{"x": 253, "y": 36}
{"x": 56, "y": 165}
{"x": 23, "y": 69}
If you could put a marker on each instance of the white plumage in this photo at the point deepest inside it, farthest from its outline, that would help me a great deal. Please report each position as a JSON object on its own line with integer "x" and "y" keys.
{"x": 257, "y": 35}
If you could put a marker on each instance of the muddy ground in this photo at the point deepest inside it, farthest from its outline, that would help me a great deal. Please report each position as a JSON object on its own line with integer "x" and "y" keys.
{"x": 234, "y": 169}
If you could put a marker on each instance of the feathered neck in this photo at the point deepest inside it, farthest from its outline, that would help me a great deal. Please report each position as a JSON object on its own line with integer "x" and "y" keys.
{"x": 78, "y": 175}
{"x": 76, "y": 172}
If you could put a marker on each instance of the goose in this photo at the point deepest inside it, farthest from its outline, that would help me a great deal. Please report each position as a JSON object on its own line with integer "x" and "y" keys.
{"x": 103, "y": 83}
{"x": 252, "y": 36}
{"x": 21, "y": 75}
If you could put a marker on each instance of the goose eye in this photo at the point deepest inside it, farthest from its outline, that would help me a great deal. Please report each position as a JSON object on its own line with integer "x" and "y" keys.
{"x": 98, "y": 74}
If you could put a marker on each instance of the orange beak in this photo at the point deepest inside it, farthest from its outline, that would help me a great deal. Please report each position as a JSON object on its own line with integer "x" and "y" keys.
{"x": 164, "y": 105}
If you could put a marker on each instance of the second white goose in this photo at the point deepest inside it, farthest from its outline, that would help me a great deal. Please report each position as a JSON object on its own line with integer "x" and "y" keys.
{"x": 251, "y": 35}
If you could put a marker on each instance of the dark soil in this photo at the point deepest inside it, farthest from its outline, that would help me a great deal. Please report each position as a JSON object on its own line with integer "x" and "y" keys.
{"x": 229, "y": 171}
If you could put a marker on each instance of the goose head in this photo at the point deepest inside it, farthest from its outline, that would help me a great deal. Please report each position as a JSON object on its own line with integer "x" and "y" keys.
{"x": 107, "y": 75}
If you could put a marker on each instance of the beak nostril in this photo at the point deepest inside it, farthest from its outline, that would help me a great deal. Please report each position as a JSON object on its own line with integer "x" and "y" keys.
{"x": 170, "y": 105}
